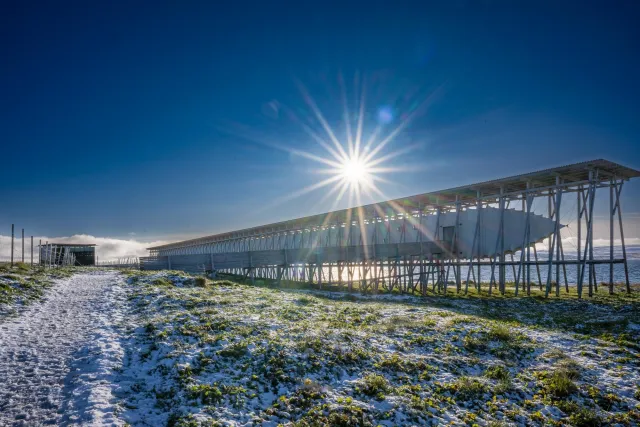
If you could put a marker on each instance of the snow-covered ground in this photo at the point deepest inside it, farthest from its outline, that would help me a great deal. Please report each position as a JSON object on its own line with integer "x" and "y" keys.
{"x": 58, "y": 356}
{"x": 237, "y": 355}
{"x": 156, "y": 349}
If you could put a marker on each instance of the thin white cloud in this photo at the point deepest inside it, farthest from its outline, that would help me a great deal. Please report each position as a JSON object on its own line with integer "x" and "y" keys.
{"x": 107, "y": 249}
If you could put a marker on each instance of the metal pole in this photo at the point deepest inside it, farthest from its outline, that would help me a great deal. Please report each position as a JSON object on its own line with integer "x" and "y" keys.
{"x": 31, "y": 251}
{"x": 11, "y": 245}
{"x": 22, "y": 239}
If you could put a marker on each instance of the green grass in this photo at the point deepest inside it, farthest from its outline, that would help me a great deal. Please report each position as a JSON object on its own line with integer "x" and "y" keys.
{"x": 327, "y": 360}
{"x": 585, "y": 417}
{"x": 235, "y": 350}
{"x": 500, "y": 332}
{"x": 466, "y": 388}
{"x": 374, "y": 385}
{"x": 25, "y": 284}
{"x": 559, "y": 384}
{"x": 22, "y": 266}
{"x": 207, "y": 394}
{"x": 162, "y": 281}
{"x": 497, "y": 372}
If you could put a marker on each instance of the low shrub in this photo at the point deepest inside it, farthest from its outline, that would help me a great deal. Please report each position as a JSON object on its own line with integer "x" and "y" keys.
{"x": 237, "y": 349}
{"x": 465, "y": 388}
{"x": 500, "y": 333}
{"x": 208, "y": 394}
{"x": 559, "y": 384}
{"x": 224, "y": 283}
{"x": 585, "y": 417}
{"x": 162, "y": 281}
{"x": 469, "y": 388}
{"x": 471, "y": 342}
{"x": 569, "y": 368}
{"x": 22, "y": 266}
{"x": 374, "y": 385}
{"x": 497, "y": 372}
{"x": 305, "y": 301}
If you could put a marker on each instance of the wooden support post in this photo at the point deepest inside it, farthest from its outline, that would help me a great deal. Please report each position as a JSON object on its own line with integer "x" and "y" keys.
{"x": 475, "y": 243}
{"x": 555, "y": 236}
{"x": 611, "y": 237}
{"x": 525, "y": 241}
{"x": 529, "y": 240}
{"x": 498, "y": 252}
{"x": 456, "y": 248}
{"x": 251, "y": 270}
{"x": 624, "y": 248}
{"x": 558, "y": 239}
{"x": 589, "y": 241}
{"x": 579, "y": 242}
{"x": 319, "y": 263}
{"x": 502, "y": 267}
{"x": 592, "y": 267}
{"x": 564, "y": 268}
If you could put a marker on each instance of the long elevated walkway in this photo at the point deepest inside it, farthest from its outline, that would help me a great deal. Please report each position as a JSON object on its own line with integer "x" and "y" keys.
{"x": 426, "y": 239}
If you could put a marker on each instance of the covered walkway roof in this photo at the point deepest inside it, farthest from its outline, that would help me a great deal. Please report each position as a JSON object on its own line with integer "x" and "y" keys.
{"x": 577, "y": 173}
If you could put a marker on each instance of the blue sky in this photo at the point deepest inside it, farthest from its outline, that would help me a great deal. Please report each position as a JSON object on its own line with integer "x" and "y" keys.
{"x": 161, "y": 119}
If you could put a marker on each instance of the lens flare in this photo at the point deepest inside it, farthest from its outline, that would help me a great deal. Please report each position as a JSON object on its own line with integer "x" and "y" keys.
{"x": 355, "y": 171}
{"x": 385, "y": 115}
{"x": 355, "y": 161}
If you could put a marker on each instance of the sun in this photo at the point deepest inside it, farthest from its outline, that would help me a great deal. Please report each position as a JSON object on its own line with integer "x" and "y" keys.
{"x": 356, "y": 163}
{"x": 355, "y": 171}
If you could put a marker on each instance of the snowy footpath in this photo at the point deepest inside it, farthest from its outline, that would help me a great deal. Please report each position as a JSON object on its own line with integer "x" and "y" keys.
{"x": 57, "y": 356}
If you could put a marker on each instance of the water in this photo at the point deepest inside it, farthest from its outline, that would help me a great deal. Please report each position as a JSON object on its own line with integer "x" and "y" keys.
{"x": 599, "y": 253}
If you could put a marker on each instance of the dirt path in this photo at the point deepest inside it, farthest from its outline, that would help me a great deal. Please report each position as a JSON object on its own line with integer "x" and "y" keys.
{"x": 57, "y": 356}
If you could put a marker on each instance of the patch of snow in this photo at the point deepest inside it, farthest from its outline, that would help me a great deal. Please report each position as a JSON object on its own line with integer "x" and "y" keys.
{"x": 57, "y": 356}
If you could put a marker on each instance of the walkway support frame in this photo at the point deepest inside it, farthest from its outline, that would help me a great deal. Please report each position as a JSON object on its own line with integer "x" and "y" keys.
{"x": 300, "y": 249}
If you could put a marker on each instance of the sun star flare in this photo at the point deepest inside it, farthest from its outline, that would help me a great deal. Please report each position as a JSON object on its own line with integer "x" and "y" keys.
{"x": 355, "y": 171}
